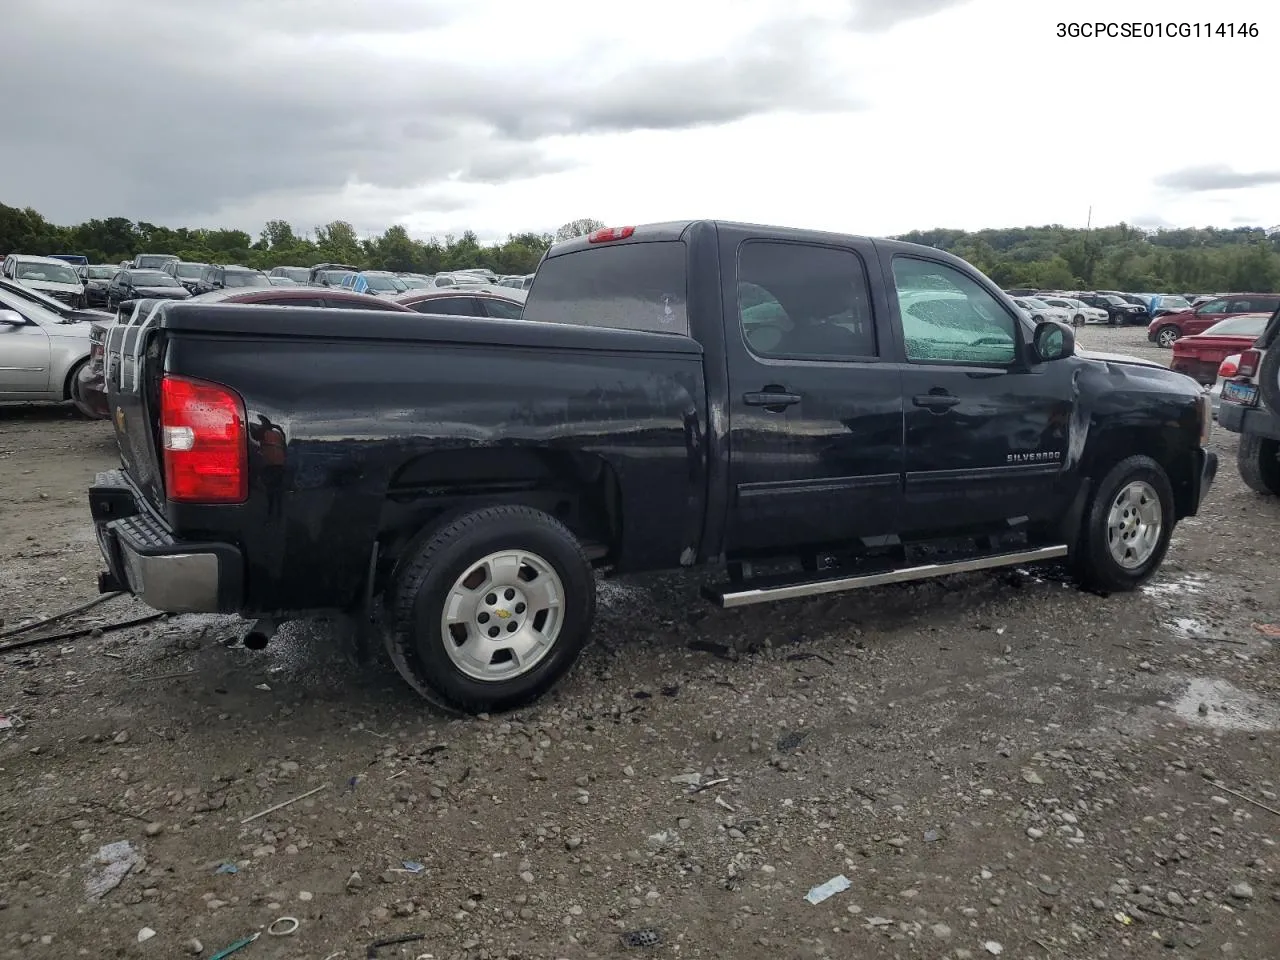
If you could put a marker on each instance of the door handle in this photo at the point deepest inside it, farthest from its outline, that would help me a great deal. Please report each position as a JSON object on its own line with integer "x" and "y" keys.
{"x": 938, "y": 402}
{"x": 771, "y": 399}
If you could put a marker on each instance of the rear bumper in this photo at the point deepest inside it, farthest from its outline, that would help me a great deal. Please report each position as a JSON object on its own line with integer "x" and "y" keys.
{"x": 143, "y": 556}
{"x": 1255, "y": 421}
{"x": 1204, "y": 372}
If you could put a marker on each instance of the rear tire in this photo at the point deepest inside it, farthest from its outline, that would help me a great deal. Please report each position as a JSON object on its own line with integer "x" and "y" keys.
{"x": 1167, "y": 335}
{"x": 1258, "y": 459}
{"x": 73, "y": 392}
{"x": 1126, "y": 528}
{"x": 491, "y": 609}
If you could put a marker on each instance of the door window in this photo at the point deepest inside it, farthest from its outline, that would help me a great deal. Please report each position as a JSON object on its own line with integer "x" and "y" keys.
{"x": 1213, "y": 306}
{"x": 802, "y": 302}
{"x": 947, "y": 317}
{"x": 457, "y": 306}
{"x": 501, "y": 309}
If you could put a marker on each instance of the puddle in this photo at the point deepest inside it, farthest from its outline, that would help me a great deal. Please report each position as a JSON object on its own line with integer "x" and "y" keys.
{"x": 1226, "y": 707}
{"x": 1187, "y": 585}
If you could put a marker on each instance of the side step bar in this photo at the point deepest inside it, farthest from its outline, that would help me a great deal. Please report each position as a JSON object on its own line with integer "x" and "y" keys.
{"x": 744, "y": 594}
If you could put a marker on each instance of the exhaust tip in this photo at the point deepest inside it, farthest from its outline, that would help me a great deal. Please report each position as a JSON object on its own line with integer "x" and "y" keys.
{"x": 256, "y": 640}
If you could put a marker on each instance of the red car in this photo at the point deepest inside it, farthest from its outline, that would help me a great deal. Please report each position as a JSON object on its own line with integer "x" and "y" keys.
{"x": 1189, "y": 323}
{"x": 500, "y": 303}
{"x": 91, "y": 382}
{"x": 1200, "y": 356}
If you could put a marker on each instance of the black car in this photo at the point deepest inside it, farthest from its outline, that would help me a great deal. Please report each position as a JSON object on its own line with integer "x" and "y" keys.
{"x": 96, "y": 277}
{"x": 186, "y": 272}
{"x": 136, "y": 284}
{"x": 223, "y": 277}
{"x": 861, "y": 411}
{"x": 1118, "y": 310}
{"x": 1134, "y": 300}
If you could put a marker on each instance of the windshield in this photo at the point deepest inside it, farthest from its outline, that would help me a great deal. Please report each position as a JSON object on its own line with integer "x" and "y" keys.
{"x": 151, "y": 278}
{"x": 47, "y": 273}
{"x": 1114, "y": 300}
{"x": 297, "y": 274}
{"x": 1242, "y": 326}
{"x": 1174, "y": 303}
{"x": 334, "y": 277}
{"x": 32, "y": 311}
{"x": 247, "y": 278}
{"x": 189, "y": 271}
{"x": 148, "y": 261}
{"x": 1036, "y": 303}
{"x": 415, "y": 283}
{"x": 102, "y": 273}
{"x": 383, "y": 284}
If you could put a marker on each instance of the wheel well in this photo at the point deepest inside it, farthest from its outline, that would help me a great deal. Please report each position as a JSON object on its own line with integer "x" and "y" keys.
{"x": 69, "y": 384}
{"x": 581, "y": 490}
{"x": 1165, "y": 448}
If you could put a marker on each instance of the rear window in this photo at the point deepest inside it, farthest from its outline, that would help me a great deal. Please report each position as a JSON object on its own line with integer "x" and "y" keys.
{"x": 630, "y": 286}
{"x": 1242, "y": 326}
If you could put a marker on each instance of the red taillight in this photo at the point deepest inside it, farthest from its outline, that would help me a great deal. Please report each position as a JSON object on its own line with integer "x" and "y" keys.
{"x": 609, "y": 234}
{"x": 202, "y": 433}
{"x": 1229, "y": 366}
{"x": 1248, "y": 365}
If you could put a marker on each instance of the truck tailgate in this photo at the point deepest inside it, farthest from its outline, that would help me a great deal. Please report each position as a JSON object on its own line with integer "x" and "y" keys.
{"x": 132, "y": 362}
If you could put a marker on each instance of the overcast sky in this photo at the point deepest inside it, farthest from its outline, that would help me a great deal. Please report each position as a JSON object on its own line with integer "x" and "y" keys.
{"x": 862, "y": 116}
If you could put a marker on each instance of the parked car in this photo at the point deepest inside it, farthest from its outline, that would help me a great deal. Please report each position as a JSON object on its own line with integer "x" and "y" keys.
{"x": 300, "y": 296}
{"x": 95, "y": 277}
{"x": 460, "y": 278}
{"x": 520, "y": 283}
{"x": 1038, "y": 310}
{"x": 1161, "y": 304}
{"x": 217, "y": 276}
{"x": 186, "y": 272}
{"x": 464, "y": 478}
{"x": 1119, "y": 310}
{"x": 55, "y": 278}
{"x": 62, "y": 309}
{"x": 1227, "y": 370}
{"x": 1139, "y": 300}
{"x": 1250, "y": 406}
{"x": 296, "y": 274}
{"x": 500, "y": 303}
{"x": 1078, "y": 311}
{"x": 1163, "y": 331}
{"x": 152, "y": 261}
{"x": 380, "y": 283}
{"x": 136, "y": 284}
{"x": 75, "y": 259}
{"x": 42, "y": 350}
{"x": 329, "y": 274}
{"x": 1201, "y": 355}
{"x": 416, "y": 281}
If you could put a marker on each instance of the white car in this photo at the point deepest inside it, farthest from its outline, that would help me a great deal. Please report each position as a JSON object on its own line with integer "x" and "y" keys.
{"x": 1077, "y": 308}
{"x": 1039, "y": 310}
{"x": 53, "y": 278}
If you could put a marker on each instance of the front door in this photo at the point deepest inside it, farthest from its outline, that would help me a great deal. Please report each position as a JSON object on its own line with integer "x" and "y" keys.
{"x": 986, "y": 430}
{"x": 815, "y": 403}
{"x": 24, "y": 357}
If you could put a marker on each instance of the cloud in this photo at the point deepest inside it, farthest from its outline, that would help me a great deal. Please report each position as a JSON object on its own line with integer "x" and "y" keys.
{"x": 215, "y": 107}
{"x": 1215, "y": 176}
{"x": 879, "y": 15}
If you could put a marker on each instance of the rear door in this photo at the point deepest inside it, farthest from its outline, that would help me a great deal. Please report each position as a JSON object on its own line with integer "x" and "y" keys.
{"x": 986, "y": 431}
{"x": 815, "y": 394}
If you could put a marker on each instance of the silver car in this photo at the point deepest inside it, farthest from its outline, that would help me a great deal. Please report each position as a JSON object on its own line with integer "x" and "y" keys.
{"x": 40, "y": 352}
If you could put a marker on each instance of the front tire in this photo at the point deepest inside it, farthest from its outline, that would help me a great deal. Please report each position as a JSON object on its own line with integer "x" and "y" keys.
{"x": 1127, "y": 527}
{"x": 73, "y": 393}
{"x": 491, "y": 609}
{"x": 1258, "y": 459}
{"x": 1078, "y": 320}
{"x": 1167, "y": 335}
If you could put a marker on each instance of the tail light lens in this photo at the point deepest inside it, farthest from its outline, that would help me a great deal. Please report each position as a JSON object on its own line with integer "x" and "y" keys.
{"x": 1248, "y": 365}
{"x": 202, "y": 432}
{"x": 1229, "y": 366}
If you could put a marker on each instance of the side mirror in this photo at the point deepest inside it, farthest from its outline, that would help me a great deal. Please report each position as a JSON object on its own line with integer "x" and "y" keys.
{"x": 12, "y": 318}
{"x": 1053, "y": 341}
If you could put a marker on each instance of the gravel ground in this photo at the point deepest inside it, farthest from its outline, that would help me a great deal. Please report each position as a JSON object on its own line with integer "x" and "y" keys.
{"x": 999, "y": 764}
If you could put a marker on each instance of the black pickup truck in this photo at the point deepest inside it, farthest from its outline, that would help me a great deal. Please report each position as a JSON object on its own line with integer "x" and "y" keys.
{"x": 813, "y": 412}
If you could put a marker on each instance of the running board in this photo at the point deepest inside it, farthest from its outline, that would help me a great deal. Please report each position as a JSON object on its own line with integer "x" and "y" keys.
{"x": 743, "y": 594}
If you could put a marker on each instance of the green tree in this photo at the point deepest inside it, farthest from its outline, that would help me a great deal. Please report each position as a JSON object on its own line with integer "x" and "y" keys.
{"x": 577, "y": 228}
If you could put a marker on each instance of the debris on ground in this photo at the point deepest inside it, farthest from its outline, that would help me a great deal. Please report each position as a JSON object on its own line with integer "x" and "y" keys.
{"x": 641, "y": 938}
{"x": 829, "y": 889}
{"x": 110, "y": 865}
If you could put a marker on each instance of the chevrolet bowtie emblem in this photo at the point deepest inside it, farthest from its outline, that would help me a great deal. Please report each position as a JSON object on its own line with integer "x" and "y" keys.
{"x": 502, "y": 614}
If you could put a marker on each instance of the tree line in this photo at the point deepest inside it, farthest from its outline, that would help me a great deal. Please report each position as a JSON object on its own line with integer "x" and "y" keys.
{"x": 1120, "y": 257}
